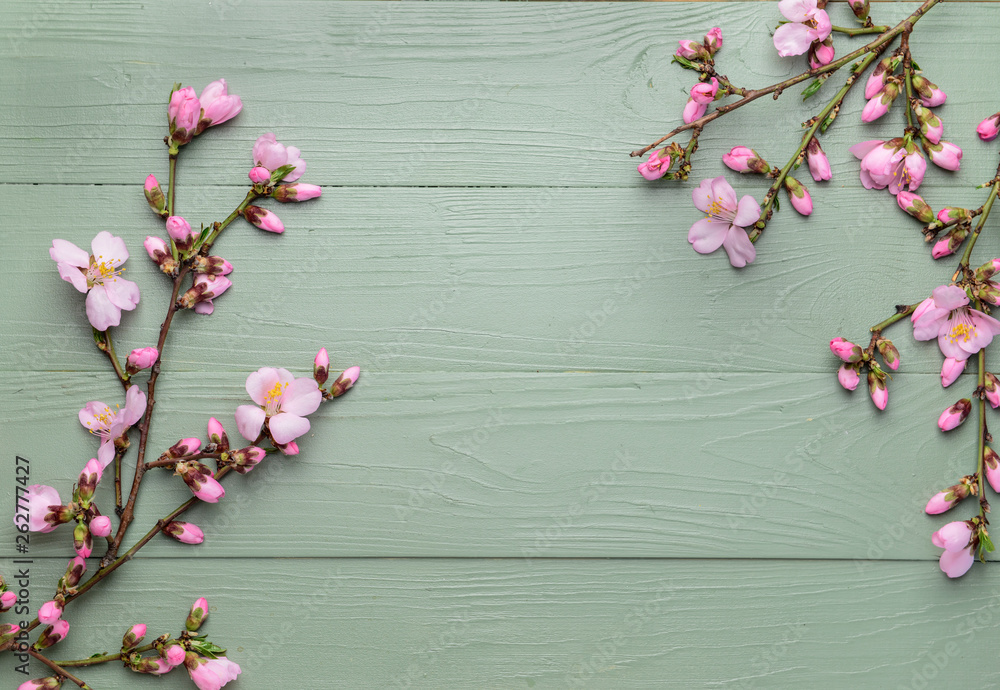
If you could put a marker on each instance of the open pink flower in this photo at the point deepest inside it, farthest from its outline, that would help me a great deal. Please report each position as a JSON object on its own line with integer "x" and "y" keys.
{"x": 217, "y": 105}
{"x": 960, "y": 330}
{"x": 806, "y": 23}
{"x": 211, "y": 674}
{"x": 99, "y": 276}
{"x": 726, "y": 223}
{"x": 110, "y": 424}
{"x": 189, "y": 115}
{"x": 269, "y": 153}
{"x": 890, "y": 164}
{"x": 284, "y": 403}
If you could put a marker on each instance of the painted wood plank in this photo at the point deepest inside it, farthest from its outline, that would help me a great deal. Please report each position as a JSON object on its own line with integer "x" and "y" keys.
{"x": 484, "y": 280}
{"x": 540, "y": 465}
{"x": 455, "y": 94}
{"x": 471, "y": 623}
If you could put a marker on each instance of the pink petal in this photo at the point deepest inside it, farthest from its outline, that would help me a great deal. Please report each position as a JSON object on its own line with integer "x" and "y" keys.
{"x": 747, "y": 212}
{"x": 957, "y": 563}
{"x": 792, "y": 39}
{"x": 107, "y": 247}
{"x": 124, "y": 294}
{"x": 106, "y": 453}
{"x": 707, "y": 235}
{"x": 72, "y": 274}
{"x": 739, "y": 247}
{"x": 88, "y": 415}
{"x": 302, "y": 397}
{"x": 723, "y": 192}
{"x": 65, "y": 252}
{"x": 865, "y": 147}
{"x": 949, "y": 297}
{"x": 249, "y": 421}
{"x": 101, "y": 313}
{"x": 797, "y": 10}
{"x": 702, "y": 196}
{"x": 204, "y": 307}
{"x": 259, "y": 383}
{"x": 287, "y": 427}
{"x": 823, "y": 25}
{"x": 135, "y": 406}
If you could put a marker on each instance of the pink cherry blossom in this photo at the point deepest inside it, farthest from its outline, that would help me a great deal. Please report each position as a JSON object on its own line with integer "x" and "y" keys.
{"x": 806, "y": 23}
{"x": 284, "y": 403}
{"x": 890, "y": 164}
{"x": 269, "y": 153}
{"x": 45, "y": 509}
{"x": 655, "y": 167}
{"x": 726, "y": 223}
{"x": 98, "y": 275}
{"x": 989, "y": 128}
{"x": 957, "y": 563}
{"x": 110, "y": 424}
{"x": 960, "y": 330}
{"x": 217, "y": 105}
{"x": 211, "y": 674}
{"x": 951, "y": 370}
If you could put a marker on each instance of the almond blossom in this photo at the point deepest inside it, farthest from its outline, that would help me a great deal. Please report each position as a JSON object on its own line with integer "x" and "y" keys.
{"x": 961, "y": 331}
{"x": 210, "y": 674}
{"x": 111, "y": 425}
{"x": 284, "y": 403}
{"x": 726, "y": 223}
{"x": 99, "y": 275}
{"x": 893, "y": 164}
{"x": 806, "y": 23}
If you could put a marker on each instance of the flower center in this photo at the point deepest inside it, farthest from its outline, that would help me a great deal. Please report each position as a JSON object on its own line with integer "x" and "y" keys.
{"x": 717, "y": 209}
{"x": 101, "y": 270}
{"x": 102, "y": 421}
{"x": 963, "y": 328}
{"x": 272, "y": 401}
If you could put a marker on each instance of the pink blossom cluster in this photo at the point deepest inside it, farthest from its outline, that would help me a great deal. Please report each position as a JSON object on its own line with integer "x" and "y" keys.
{"x": 188, "y": 115}
{"x": 807, "y": 29}
{"x": 855, "y": 359}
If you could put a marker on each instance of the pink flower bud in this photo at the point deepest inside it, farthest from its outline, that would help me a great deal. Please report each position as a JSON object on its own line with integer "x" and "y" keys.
{"x": 703, "y": 93}
{"x": 48, "y": 683}
{"x": 940, "y": 502}
{"x": 152, "y": 665}
{"x": 83, "y": 540}
{"x": 217, "y": 434}
{"x": 200, "y": 480}
{"x": 298, "y": 191}
{"x": 915, "y": 206}
{"x": 953, "y": 213}
{"x": 290, "y": 448}
{"x": 8, "y": 631}
{"x": 846, "y": 350}
{"x": 100, "y": 526}
{"x": 713, "y": 40}
{"x": 186, "y": 446}
{"x": 989, "y": 128}
{"x": 263, "y": 219}
{"x": 744, "y": 160}
{"x": 74, "y": 572}
{"x": 942, "y": 248}
{"x": 693, "y": 111}
{"x": 7, "y": 599}
{"x": 142, "y": 358}
{"x": 185, "y": 532}
{"x": 955, "y": 415}
{"x": 209, "y": 674}
{"x": 992, "y": 390}
{"x": 798, "y": 195}
{"x": 345, "y": 381}
{"x": 655, "y": 166}
{"x": 860, "y": 8}
{"x": 877, "y": 389}
{"x": 956, "y": 563}
{"x": 951, "y": 370}
{"x": 205, "y": 289}
{"x": 181, "y": 233}
{"x": 821, "y": 53}
{"x": 174, "y": 654}
{"x": 944, "y": 155}
{"x": 183, "y": 114}
{"x": 88, "y": 481}
{"x": 49, "y": 612}
{"x": 321, "y": 366}
{"x": 199, "y": 612}
{"x": 133, "y": 636}
{"x": 245, "y": 459}
{"x": 691, "y": 50}
{"x": 931, "y": 126}
{"x": 930, "y": 95}
{"x": 991, "y": 461}
{"x": 52, "y": 634}
{"x": 157, "y": 248}
{"x": 848, "y": 377}
{"x": 880, "y": 102}
{"x": 154, "y": 197}
{"x": 876, "y": 80}
{"x": 218, "y": 105}
{"x": 819, "y": 164}
{"x": 259, "y": 175}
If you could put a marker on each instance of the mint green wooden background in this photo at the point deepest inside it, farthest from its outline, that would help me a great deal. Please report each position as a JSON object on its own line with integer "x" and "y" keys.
{"x": 679, "y": 495}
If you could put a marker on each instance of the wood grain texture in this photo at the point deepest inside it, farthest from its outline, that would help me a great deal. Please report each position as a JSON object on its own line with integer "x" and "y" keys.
{"x": 538, "y": 465}
{"x": 457, "y": 94}
{"x": 473, "y": 623}
{"x": 556, "y": 280}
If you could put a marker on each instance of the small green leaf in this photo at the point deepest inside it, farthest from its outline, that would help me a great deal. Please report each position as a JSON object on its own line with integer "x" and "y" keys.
{"x": 917, "y": 67}
{"x": 826, "y": 123}
{"x": 984, "y": 541}
{"x": 683, "y": 62}
{"x": 812, "y": 88}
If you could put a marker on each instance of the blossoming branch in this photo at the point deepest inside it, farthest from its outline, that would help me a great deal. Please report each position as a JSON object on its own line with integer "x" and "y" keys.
{"x": 279, "y": 415}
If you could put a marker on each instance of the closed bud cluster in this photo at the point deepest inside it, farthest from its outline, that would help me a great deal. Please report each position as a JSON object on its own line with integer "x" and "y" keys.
{"x": 915, "y": 206}
{"x": 154, "y": 197}
{"x": 709, "y": 46}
